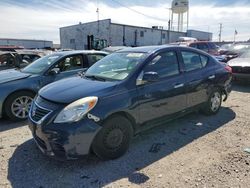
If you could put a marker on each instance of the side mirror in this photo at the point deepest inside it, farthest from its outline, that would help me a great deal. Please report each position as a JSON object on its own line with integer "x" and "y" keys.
{"x": 81, "y": 73}
{"x": 147, "y": 77}
{"x": 54, "y": 71}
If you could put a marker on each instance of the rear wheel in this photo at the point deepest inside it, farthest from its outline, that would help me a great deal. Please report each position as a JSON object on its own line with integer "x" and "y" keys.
{"x": 113, "y": 139}
{"x": 18, "y": 104}
{"x": 214, "y": 103}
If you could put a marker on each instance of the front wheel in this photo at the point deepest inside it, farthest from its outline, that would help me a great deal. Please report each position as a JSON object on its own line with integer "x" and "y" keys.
{"x": 18, "y": 104}
{"x": 113, "y": 139}
{"x": 213, "y": 104}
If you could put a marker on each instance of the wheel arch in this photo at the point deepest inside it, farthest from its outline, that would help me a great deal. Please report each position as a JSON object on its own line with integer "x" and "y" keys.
{"x": 12, "y": 93}
{"x": 127, "y": 116}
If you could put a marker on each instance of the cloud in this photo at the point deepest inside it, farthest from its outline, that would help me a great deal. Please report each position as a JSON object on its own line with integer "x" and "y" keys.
{"x": 42, "y": 19}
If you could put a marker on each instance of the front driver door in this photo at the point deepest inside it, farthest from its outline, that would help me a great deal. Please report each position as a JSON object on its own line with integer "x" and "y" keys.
{"x": 70, "y": 66}
{"x": 165, "y": 96}
{"x": 67, "y": 66}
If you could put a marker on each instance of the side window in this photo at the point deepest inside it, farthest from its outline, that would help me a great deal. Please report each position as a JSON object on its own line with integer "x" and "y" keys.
{"x": 203, "y": 46}
{"x": 204, "y": 60}
{"x": 93, "y": 58}
{"x": 70, "y": 63}
{"x": 165, "y": 64}
{"x": 213, "y": 46}
{"x": 191, "y": 60}
{"x": 193, "y": 45}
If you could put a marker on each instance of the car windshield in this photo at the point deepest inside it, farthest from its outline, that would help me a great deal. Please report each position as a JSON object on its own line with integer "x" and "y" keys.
{"x": 40, "y": 65}
{"x": 116, "y": 66}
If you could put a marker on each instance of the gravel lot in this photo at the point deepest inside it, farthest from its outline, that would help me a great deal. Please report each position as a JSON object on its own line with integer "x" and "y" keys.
{"x": 194, "y": 151}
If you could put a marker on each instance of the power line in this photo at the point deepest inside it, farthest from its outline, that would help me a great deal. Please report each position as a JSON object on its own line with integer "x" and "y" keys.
{"x": 138, "y": 12}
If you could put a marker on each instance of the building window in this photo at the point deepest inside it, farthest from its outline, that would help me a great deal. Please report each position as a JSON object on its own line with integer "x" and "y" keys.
{"x": 163, "y": 35}
{"x": 72, "y": 41}
{"x": 142, "y": 33}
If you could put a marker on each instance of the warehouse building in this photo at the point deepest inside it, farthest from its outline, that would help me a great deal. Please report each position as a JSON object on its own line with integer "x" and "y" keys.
{"x": 26, "y": 43}
{"x": 103, "y": 33}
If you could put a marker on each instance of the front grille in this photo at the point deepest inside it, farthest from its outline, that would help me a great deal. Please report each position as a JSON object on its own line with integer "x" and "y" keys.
{"x": 38, "y": 113}
{"x": 40, "y": 142}
{"x": 239, "y": 69}
{"x": 58, "y": 149}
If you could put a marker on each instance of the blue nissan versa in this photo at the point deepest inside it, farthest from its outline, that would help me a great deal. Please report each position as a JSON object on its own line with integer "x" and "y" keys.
{"x": 123, "y": 94}
{"x": 18, "y": 87}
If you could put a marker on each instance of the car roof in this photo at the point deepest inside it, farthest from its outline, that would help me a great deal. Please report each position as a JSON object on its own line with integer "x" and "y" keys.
{"x": 147, "y": 49}
{"x": 153, "y": 49}
{"x": 74, "y": 52}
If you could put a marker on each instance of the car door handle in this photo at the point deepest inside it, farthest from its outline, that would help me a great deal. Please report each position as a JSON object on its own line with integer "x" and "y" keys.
{"x": 211, "y": 77}
{"x": 178, "y": 86}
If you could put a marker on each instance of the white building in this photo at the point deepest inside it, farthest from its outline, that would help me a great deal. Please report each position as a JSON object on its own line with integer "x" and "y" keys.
{"x": 76, "y": 36}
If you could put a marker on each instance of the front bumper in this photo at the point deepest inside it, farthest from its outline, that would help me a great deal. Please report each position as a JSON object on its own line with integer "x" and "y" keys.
{"x": 241, "y": 76}
{"x": 62, "y": 141}
{"x": 65, "y": 141}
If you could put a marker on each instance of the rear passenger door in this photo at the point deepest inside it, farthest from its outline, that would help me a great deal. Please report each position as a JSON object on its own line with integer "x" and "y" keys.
{"x": 199, "y": 76}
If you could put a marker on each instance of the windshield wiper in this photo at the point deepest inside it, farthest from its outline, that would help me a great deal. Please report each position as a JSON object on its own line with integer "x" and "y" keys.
{"x": 94, "y": 77}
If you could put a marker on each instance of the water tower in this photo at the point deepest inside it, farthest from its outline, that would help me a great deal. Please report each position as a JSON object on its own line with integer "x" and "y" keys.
{"x": 181, "y": 8}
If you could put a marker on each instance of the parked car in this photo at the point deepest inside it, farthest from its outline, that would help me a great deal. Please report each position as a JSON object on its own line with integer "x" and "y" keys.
{"x": 19, "y": 58}
{"x": 232, "y": 51}
{"x": 29, "y": 56}
{"x": 9, "y": 59}
{"x": 241, "y": 66}
{"x": 123, "y": 94}
{"x": 18, "y": 87}
{"x": 205, "y": 46}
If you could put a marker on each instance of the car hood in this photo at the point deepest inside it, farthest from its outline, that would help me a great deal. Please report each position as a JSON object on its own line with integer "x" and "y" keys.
{"x": 71, "y": 89}
{"x": 242, "y": 62}
{"x": 12, "y": 75}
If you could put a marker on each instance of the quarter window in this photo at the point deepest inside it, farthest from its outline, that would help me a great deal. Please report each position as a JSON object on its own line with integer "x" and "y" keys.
{"x": 204, "y": 60}
{"x": 191, "y": 60}
{"x": 165, "y": 64}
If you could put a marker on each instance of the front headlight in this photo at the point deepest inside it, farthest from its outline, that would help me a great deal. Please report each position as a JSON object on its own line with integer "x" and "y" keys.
{"x": 77, "y": 110}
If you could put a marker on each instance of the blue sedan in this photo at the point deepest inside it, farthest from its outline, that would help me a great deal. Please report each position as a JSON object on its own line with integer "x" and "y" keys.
{"x": 18, "y": 87}
{"x": 123, "y": 94}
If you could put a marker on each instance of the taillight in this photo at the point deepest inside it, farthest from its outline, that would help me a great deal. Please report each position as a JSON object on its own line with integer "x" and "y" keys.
{"x": 228, "y": 68}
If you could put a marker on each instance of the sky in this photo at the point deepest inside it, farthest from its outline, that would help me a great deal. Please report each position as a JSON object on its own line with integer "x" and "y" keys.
{"x": 41, "y": 19}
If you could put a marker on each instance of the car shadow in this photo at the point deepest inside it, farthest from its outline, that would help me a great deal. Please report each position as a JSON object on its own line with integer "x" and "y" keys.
{"x": 243, "y": 87}
{"x": 28, "y": 167}
{"x": 6, "y": 125}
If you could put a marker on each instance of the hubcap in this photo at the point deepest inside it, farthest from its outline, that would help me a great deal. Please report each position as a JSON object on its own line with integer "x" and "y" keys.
{"x": 20, "y": 107}
{"x": 114, "y": 138}
{"x": 215, "y": 101}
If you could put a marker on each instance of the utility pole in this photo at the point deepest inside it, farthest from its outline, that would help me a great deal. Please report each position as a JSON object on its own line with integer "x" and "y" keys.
{"x": 220, "y": 32}
{"x": 98, "y": 16}
{"x": 169, "y": 24}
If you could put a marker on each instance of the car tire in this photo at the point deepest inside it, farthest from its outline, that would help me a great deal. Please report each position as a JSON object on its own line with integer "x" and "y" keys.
{"x": 17, "y": 105}
{"x": 213, "y": 104}
{"x": 113, "y": 140}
